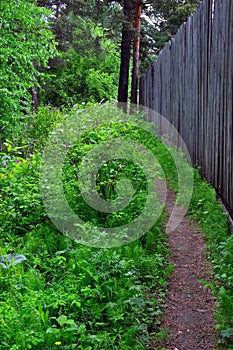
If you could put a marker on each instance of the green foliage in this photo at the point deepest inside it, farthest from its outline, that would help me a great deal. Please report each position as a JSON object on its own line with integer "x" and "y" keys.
{"x": 66, "y": 294}
{"x": 40, "y": 126}
{"x": 179, "y": 13}
{"x": 21, "y": 205}
{"x": 85, "y": 298}
{"x": 87, "y": 71}
{"x": 80, "y": 296}
{"x": 25, "y": 43}
{"x": 165, "y": 18}
{"x": 110, "y": 173}
{"x": 226, "y": 339}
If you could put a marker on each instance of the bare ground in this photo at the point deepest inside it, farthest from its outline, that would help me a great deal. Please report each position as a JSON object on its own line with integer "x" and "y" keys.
{"x": 189, "y": 308}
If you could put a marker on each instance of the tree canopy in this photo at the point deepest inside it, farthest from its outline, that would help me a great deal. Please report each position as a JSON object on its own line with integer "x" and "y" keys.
{"x": 76, "y": 23}
{"x": 91, "y": 48}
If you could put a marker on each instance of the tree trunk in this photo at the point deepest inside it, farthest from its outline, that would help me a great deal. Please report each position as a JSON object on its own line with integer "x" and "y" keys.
{"x": 125, "y": 54}
{"x": 57, "y": 3}
{"x": 136, "y": 51}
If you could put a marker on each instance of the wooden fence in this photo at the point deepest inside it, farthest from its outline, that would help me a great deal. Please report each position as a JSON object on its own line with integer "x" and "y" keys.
{"x": 191, "y": 84}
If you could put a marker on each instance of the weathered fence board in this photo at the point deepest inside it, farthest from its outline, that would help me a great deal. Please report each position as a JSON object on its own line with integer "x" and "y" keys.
{"x": 191, "y": 84}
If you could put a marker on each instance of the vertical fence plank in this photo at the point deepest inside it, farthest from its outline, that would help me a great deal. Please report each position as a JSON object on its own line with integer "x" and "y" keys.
{"x": 191, "y": 84}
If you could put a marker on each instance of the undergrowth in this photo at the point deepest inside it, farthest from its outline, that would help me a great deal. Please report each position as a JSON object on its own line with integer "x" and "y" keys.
{"x": 70, "y": 296}
{"x": 66, "y": 295}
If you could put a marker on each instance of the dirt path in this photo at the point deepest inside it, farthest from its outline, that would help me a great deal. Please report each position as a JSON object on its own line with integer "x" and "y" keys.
{"x": 189, "y": 311}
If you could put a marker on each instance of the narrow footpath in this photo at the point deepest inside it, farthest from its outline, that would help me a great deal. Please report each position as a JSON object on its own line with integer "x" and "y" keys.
{"x": 189, "y": 308}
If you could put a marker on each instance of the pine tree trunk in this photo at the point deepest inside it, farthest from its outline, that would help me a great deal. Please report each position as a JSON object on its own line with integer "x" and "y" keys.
{"x": 57, "y": 3}
{"x": 136, "y": 51}
{"x": 125, "y": 54}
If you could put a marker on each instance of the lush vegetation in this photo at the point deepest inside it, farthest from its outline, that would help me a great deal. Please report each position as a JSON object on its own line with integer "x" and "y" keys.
{"x": 26, "y": 43}
{"x": 66, "y": 293}
{"x": 57, "y": 293}
{"x": 89, "y": 35}
{"x": 87, "y": 71}
{"x": 73, "y": 296}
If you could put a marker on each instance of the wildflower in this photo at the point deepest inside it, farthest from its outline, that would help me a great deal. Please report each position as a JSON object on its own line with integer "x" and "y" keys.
{"x": 16, "y": 161}
{"x": 58, "y": 343}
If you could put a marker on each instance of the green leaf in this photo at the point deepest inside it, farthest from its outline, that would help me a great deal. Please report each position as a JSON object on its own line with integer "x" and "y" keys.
{"x": 227, "y": 333}
{"x": 62, "y": 320}
{"x": 52, "y": 330}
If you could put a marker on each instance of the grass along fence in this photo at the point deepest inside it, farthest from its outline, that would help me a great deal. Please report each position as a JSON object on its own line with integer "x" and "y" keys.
{"x": 191, "y": 85}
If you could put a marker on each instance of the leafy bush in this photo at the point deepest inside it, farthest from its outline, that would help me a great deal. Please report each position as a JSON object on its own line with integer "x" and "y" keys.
{"x": 21, "y": 204}
{"x": 26, "y": 43}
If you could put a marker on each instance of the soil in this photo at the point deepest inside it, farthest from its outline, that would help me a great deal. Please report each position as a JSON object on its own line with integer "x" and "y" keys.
{"x": 189, "y": 308}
